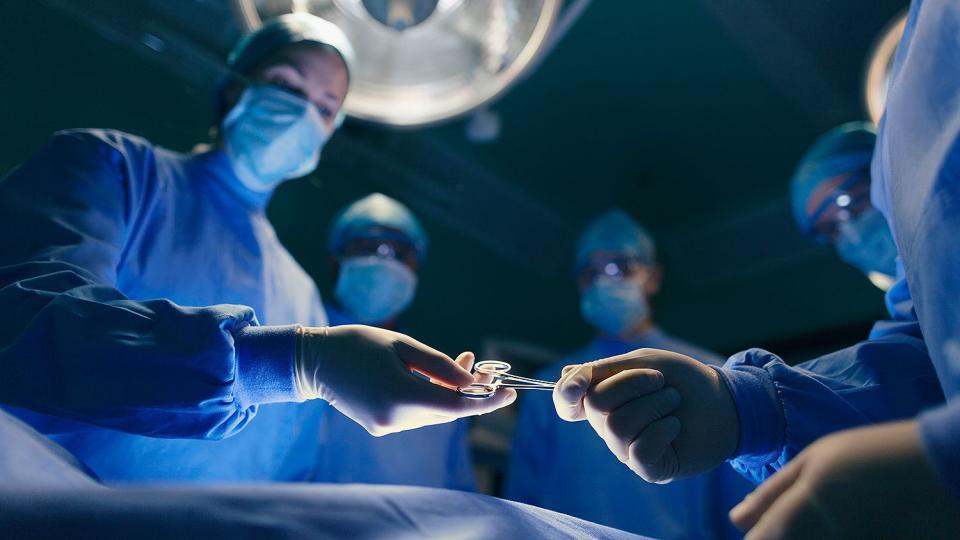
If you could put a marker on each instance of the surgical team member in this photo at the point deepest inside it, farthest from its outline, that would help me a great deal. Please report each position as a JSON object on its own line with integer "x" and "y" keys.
{"x": 896, "y": 479}
{"x": 830, "y": 196}
{"x": 147, "y": 309}
{"x": 565, "y": 467}
{"x": 377, "y": 247}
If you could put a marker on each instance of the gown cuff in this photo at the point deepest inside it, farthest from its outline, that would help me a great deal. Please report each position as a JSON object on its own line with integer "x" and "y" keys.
{"x": 265, "y": 364}
{"x": 762, "y": 425}
{"x": 940, "y": 436}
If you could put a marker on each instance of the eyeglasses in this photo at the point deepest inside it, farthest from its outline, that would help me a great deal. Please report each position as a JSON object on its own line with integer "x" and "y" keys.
{"x": 850, "y": 199}
{"x": 385, "y": 248}
{"x": 616, "y": 267}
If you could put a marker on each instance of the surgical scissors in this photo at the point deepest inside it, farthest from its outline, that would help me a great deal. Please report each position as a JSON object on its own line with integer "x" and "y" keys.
{"x": 501, "y": 378}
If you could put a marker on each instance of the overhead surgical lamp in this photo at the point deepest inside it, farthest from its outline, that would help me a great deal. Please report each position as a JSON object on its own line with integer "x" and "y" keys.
{"x": 879, "y": 66}
{"x": 422, "y": 61}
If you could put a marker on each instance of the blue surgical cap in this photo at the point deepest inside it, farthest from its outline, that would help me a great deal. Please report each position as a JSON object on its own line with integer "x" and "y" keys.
{"x": 843, "y": 150}
{"x": 615, "y": 231}
{"x": 376, "y": 210}
{"x": 287, "y": 30}
{"x": 278, "y": 33}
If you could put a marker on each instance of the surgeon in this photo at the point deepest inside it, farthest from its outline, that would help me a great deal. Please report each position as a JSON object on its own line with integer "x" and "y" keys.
{"x": 900, "y": 479}
{"x": 377, "y": 246}
{"x": 757, "y": 412}
{"x": 830, "y": 196}
{"x": 152, "y": 323}
{"x": 565, "y": 467}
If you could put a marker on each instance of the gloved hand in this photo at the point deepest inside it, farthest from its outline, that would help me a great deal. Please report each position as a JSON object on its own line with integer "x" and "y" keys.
{"x": 873, "y": 482}
{"x": 366, "y": 373}
{"x": 663, "y": 414}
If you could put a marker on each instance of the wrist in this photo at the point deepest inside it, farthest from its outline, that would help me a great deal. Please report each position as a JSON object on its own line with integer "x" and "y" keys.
{"x": 759, "y": 413}
{"x": 309, "y": 362}
{"x": 265, "y": 357}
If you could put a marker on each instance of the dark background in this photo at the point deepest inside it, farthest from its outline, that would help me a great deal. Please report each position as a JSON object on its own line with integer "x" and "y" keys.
{"x": 689, "y": 114}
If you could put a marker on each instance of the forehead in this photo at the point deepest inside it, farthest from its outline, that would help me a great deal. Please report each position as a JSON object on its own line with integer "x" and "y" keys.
{"x": 317, "y": 63}
{"x": 378, "y": 233}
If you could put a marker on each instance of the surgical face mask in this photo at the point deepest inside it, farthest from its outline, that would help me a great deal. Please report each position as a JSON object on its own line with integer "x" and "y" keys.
{"x": 271, "y": 135}
{"x": 374, "y": 289}
{"x": 614, "y": 306}
{"x": 866, "y": 243}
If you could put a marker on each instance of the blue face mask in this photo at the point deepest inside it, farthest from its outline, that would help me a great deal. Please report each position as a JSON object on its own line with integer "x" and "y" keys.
{"x": 271, "y": 135}
{"x": 866, "y": 243}
{"x": 374, "y": 289}
{"x": 614, "y": 306}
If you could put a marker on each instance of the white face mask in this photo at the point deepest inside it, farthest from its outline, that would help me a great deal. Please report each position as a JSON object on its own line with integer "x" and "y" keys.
{"x": 271, "y": 135}
{"x": 374, "y": 289}
{"x": 614, "y": 306}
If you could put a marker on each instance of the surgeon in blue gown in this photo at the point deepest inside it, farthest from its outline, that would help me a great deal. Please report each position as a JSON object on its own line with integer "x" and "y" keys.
{"x": 892, "y": 479}
{"x": 377, "y": 246}
{"x": 830, "y": 198}
{"x": 151, "y": 322}
{"x": 565, "y": 467}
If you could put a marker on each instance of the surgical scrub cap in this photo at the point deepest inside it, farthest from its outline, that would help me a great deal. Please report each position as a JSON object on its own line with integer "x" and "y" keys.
{"x": 615, "y": 231}
{"x": 843, "y": 150}
{"x": 280, "y": 32}
{"x": 376, "y": 210}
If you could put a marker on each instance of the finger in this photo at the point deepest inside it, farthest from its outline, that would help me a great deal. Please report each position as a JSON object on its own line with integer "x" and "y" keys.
{"x": 475, "y": 407}
{"x": 625, "y": 424}
{"x": 640, "y": 358}
{"x": 431, "y": 362}
{"x": 465, "y": 360}
{"x": 611, "y": 393}
{"x": 651, "y": 455}
{"x": 569, "y": 392}
{"x": 797, "y": 513}
{"x": 443, "y": 401}
{"x": 746, "y": 514}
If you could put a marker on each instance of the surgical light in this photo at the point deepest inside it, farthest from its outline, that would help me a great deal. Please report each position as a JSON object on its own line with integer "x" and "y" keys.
{"x": 423, "y": 61}
{"x": 879, "y": 66}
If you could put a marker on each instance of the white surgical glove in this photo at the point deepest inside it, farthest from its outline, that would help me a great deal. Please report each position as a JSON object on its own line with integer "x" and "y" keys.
{"x": 366, "y": 373}
{"x": 663, "y": 414}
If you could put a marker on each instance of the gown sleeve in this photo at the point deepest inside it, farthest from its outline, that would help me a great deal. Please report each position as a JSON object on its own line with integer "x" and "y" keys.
{"x": 73, "y": 346}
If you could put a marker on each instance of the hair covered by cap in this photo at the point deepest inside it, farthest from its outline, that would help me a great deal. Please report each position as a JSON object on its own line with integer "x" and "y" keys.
{"x": 376, "y": 210}
{"x": 843, "y": 150}
{"x": 287, "y": 30}
{"x": 615, "y": 231}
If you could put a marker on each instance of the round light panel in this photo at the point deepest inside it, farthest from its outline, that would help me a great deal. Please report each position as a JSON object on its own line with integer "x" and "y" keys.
{"x": 423, "y": 61}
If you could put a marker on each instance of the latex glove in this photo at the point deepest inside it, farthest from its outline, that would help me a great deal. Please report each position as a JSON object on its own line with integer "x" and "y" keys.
{"x": 663, "y": 414}
{"x": 871, "y": 482}
{"x": 366, "y": 373}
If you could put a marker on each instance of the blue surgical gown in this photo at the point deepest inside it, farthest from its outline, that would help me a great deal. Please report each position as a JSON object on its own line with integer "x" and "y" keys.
{"x": 916, "y": 172}
{"x": 432, "y": 456}
{"x": 133, "y": 280}
{"x": 909, "y": 364}
{"x": 565, "y": 467}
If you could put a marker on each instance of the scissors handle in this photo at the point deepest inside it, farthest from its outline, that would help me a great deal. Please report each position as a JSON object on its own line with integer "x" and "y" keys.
{"x": 501, "y": 377}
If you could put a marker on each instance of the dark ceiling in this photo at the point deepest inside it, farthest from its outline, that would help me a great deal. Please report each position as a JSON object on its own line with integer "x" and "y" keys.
{"x": 690, "y": 114}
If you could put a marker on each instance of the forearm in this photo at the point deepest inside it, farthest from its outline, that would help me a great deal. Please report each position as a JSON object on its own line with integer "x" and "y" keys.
{"x": 783, "y": 409}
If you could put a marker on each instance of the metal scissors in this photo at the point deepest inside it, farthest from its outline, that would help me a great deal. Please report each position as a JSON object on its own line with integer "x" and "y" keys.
{"x": 501, "y": 378}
